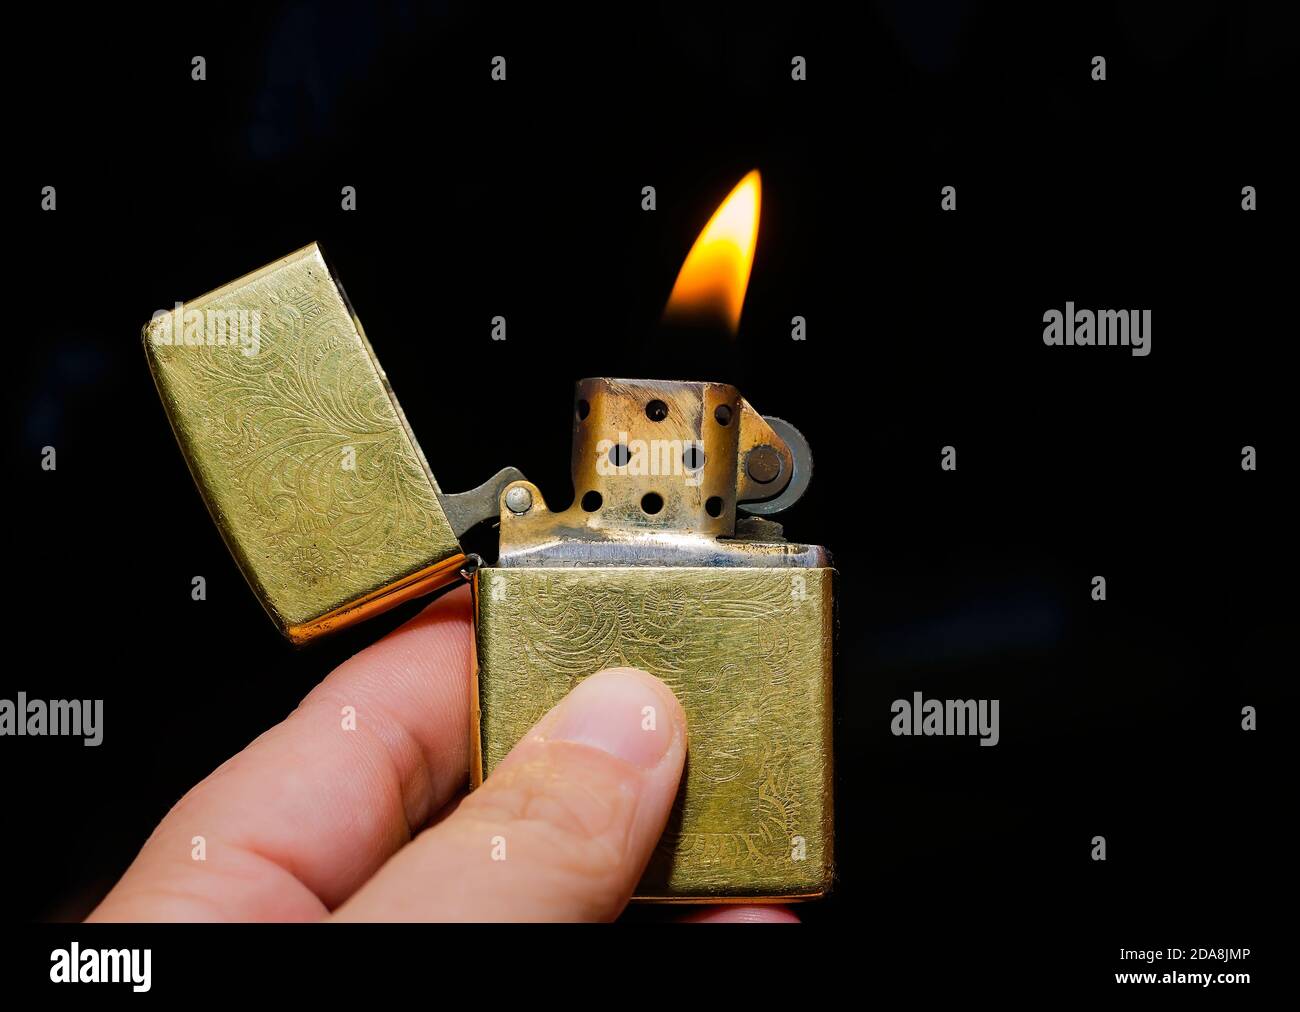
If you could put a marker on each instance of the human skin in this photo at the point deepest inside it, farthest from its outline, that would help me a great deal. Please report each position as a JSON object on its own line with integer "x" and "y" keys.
{"x": 313, "y": 821}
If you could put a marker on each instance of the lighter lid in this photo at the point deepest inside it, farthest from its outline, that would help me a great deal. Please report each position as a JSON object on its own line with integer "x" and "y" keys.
{"x": 300, "y": 448}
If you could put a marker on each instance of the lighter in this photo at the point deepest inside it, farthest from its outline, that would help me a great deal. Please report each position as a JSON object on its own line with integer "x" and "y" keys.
{"x": 665, "y": 561}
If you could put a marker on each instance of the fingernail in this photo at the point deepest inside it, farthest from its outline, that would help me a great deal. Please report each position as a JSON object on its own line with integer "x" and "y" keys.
{"x": 622, "y": 711}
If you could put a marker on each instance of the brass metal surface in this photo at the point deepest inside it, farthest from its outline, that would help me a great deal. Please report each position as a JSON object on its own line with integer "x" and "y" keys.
{"x": 685, "y": 444}
{"x": 301, "y": 450}
{"x": 539, "y": 537}
{"x": 748, "y": 653}
{"x": 617, "y": 412}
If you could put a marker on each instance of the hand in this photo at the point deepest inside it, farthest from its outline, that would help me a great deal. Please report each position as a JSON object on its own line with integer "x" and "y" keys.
{"x": 314, "y": 821}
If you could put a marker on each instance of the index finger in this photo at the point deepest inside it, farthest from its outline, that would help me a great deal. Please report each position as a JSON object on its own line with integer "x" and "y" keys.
{"x": 293, "y": 824}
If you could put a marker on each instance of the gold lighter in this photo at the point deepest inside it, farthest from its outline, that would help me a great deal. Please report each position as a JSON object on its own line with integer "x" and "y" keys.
{"x": 665, "y": 561}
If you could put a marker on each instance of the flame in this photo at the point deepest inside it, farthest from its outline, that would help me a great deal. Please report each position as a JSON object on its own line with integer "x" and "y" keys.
{"x": 713, "y": 279}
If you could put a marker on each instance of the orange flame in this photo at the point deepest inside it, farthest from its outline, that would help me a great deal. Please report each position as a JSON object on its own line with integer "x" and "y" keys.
{"x": 713, "y": 279}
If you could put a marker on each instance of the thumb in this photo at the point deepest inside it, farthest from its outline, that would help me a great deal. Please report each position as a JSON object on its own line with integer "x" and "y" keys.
{"x": 563, "y": 827}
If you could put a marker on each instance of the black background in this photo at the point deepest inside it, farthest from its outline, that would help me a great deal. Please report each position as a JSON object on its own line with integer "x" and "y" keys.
{"x": 478, "y": 198}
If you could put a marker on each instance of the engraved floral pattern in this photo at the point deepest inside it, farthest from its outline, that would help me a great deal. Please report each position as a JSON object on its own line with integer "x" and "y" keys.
{"x": 299, "y": 448}
{"x": 746, "y": 658}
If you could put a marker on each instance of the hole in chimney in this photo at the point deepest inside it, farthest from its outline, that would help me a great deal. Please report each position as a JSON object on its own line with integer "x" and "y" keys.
{"x": 722, "y": 414}
{"x": 652, "y": 502}
{"x": 592, "y": 501}
{"x": 656, "y": 411}
{"x": 713, "y": 506}
{"x": 584, "y": 409}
